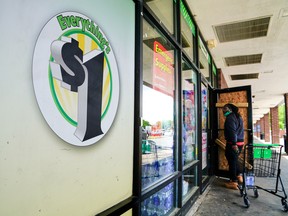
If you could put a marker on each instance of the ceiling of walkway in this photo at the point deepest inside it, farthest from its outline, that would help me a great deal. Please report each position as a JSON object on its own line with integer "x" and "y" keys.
{"x": 258, "y": 58}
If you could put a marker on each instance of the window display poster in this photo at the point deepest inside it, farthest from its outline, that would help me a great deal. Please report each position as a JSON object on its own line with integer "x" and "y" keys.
{"x": 189, "y": 125}
{"x": 189, "y": 110}
{"x": 204, "y": 125}
{"x": 204, "y": 108}
{"x": 163, "y": 70}
{"x": 204, "y": 150}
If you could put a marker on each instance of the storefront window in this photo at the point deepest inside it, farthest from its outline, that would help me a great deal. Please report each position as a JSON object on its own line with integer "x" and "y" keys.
{"x": 157, "y": 107}
{"x": 163, "y": 9}
{"x": 189, "y": 182}
{"x": 189, "y": 113}
{"x": 187, "y": 31}
{"x": 204, "y": 59}
{"x": 160, "y": 203}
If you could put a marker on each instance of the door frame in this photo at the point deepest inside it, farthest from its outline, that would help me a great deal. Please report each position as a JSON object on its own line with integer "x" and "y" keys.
{"x": 214, "y": 124}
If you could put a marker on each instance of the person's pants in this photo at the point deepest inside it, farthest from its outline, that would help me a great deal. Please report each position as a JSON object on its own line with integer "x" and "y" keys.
{"x": 232, "y": 158}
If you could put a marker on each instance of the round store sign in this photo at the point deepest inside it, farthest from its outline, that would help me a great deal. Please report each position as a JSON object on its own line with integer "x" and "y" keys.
{"x": 75, "y": 78}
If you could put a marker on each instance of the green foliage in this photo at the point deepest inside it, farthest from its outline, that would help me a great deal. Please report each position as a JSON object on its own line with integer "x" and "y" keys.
{"x": 146, "y": 123}
{"x": 281, "y": 113}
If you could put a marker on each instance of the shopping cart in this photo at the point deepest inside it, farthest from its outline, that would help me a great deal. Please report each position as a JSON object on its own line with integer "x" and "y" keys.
{"x": 265, "y": 160}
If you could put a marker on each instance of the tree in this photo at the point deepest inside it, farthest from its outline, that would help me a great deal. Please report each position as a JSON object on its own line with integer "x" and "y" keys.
{"x": 281, "y": 113}
{"x": 146, "y": 123}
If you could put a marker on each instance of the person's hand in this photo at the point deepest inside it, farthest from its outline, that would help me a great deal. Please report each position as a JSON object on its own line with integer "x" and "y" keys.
{"x": 235, "y": 149}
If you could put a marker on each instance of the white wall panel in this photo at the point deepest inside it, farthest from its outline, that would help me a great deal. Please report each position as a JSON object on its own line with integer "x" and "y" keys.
{"x": 40, "y": 174}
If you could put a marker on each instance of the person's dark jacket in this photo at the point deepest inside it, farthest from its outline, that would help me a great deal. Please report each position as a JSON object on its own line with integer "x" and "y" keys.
{"x": 233, "y": 129}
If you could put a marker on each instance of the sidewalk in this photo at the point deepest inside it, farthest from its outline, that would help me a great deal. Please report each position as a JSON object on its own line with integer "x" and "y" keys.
{"x": 220, "y": 201}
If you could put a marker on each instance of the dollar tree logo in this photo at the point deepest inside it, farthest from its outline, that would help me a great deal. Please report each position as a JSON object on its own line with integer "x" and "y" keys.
{"x": 75, "y": 78}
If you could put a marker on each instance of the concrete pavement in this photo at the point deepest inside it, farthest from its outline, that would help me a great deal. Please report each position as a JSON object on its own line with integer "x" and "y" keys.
{"x": 220, "y": 201}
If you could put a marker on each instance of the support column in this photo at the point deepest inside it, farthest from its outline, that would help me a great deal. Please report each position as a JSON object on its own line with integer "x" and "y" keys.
{"x": 266, "y": 128}
{"x": 275, "y": 125}
{"x": 261, "y": 127}
{"x": 221, "y": 80}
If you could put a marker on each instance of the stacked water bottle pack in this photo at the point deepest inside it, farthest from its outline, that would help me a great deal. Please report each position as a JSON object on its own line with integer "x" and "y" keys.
{"x": 156, "y": 170}
{"x": 160, "y": 203}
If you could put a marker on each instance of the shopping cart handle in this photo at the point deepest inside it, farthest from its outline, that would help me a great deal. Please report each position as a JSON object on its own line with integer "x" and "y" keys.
{"x": 265, "y": 145}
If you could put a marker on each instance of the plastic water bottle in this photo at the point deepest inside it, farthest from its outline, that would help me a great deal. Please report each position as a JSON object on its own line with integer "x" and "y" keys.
{"x": 189, "y": 153}
{"x": 250, "y": 179}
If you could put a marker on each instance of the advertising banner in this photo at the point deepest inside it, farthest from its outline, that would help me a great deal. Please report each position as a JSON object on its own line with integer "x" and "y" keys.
{"x": 163, "y": 71}
{"x": 75, "y": 78}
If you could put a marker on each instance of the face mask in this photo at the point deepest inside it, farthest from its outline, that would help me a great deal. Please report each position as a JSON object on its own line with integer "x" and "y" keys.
{"x": 227, "y": 113}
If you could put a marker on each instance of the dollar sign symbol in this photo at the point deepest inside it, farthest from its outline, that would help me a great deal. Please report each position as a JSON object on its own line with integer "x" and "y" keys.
{"x": 69, "y": 57}
{"x": 82, "y": 74}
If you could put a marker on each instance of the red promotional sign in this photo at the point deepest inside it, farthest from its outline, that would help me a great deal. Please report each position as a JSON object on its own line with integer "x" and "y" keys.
{"x": 163, "y": 70}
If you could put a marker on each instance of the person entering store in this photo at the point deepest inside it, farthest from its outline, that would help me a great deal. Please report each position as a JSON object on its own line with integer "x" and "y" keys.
{"x": 234, "y": 135}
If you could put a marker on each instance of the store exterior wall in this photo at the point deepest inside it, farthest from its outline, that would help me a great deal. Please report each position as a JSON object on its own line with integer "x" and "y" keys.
{"x": 41, "y": 174}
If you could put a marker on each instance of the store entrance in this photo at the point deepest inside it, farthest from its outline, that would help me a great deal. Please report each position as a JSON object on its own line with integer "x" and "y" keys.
{"x": 241, "y": 97}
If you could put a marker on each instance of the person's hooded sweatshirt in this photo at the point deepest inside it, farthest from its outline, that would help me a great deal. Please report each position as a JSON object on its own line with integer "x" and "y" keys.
{"x": 233, "y": 129}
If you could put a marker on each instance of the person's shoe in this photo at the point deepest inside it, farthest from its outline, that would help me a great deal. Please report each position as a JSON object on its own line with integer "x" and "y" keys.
{"x": 240, "y": 179}
{"x": 231, "y": 185}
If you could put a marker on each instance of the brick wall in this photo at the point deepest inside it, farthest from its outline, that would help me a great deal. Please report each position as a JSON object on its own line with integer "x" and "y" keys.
{"x": 262, "y": 125}
{"x": 275, "y": 125}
